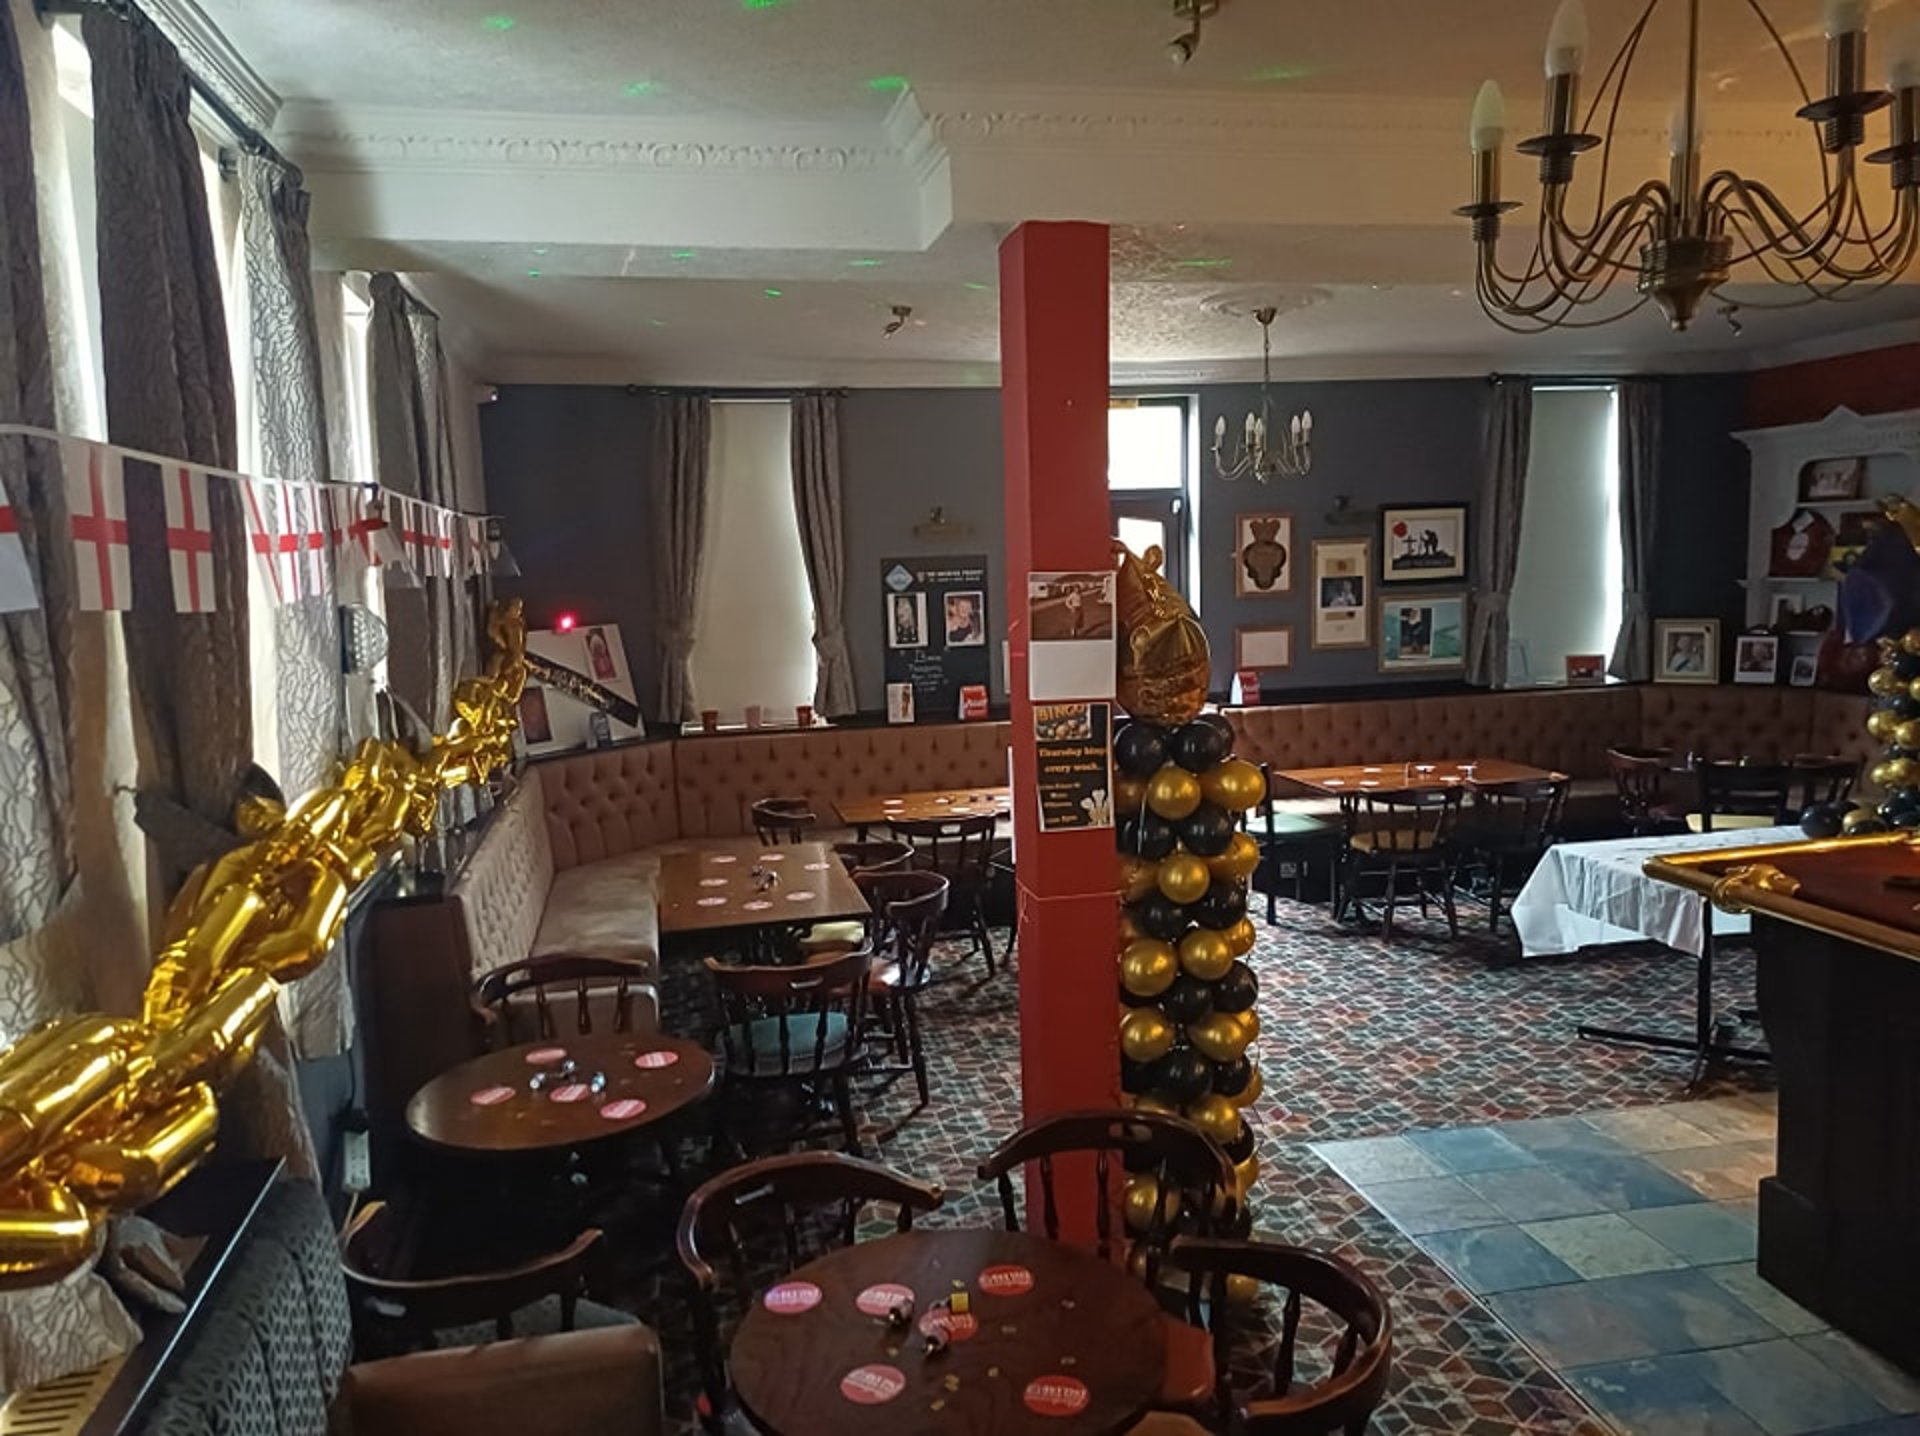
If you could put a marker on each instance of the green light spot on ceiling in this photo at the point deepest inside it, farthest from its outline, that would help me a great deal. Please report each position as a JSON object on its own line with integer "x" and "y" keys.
{"x": 887, "y": 84}
{"x": 640, "y": 89}
{"x": 974, "y": 286}
{"x": 540, "y": 249}
{"x": 762, "y": 4}
{"x": 1279, "y": 74}
{"x": 773, "y": 293}
{"x": 657, "y": 323}
{"x": 533, "y": 274}
{"x": 865, "y": 263}
{"x": 1202, "y": 263}
{"x": 682, "y": 253}
{"x": 498, "y": 23}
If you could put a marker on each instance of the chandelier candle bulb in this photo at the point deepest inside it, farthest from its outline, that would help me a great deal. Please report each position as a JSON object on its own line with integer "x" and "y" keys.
{"x": 1845, "y": 17}
{"x": 1567, "y": 40}
{"x": 1488, "y": 126}
{"x": 1903, "y": 57}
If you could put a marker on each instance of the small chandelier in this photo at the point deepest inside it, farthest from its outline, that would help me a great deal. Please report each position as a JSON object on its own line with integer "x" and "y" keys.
{"x": 1681, "y": 238}
{"x": 1292, "y": 456}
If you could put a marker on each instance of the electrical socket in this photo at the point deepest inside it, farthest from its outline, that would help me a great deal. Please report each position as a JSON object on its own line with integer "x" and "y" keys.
{"x": 356, "y": 1162}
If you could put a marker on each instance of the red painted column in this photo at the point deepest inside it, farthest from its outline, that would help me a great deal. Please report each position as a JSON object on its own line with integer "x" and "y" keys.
{"x": 1053, "y": 358}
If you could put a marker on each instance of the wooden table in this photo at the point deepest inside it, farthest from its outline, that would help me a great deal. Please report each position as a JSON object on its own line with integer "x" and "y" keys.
{"x": 520, "y": 1099}
{"x": 1068, "y": 1345}
{"x": 711, "y": 887}
{"x": 1359, "y": 779}
{"x": 860, "y": 814}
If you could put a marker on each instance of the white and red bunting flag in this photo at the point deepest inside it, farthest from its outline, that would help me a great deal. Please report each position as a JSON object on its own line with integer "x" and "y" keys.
{"x": 278, "y": 542}
{"x": 478, "y": 558}
{"x": 96, "y": 487}
{"x": 308, "y": 524}
{"x": 440, "y": 535}
{"x": 189, "y": 537}
{"x": 17, "y": 591}
{"x": 370, "y": 539}
{"x": 405, "y": 519}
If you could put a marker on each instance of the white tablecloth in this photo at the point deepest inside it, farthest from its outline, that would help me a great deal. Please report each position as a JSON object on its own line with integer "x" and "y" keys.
{"x": 1587, "y": 894}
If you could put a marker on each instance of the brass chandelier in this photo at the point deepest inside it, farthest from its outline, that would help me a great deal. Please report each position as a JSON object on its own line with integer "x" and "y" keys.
{"x": 1264, "y": 449}
{"x": 1681, "y": 238}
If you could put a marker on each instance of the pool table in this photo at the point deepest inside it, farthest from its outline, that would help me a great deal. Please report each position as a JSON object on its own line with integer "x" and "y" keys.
{"x": 1837, "y": 927}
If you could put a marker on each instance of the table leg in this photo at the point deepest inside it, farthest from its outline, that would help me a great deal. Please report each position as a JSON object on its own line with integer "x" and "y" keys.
{"x": 1701, "y": 1045}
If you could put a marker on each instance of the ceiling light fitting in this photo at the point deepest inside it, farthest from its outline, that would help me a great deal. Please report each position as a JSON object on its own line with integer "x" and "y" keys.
{"x": 1292, "y": 456}
{"x": 1181, "y": 47}
{"x": 1681, "y": 238}
{"x": 901, "y": 314}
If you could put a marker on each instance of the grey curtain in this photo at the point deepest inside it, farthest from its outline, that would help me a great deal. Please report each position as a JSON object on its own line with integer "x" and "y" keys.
{"x": 36, "y": 647}
{"x": 432, "y": 638}
{"x": 816, "y": 499}
{"x": 1639, "y": 473}
{"x": 682, "y": 441}
{"x": 169, "y": 390}
{"x": 1503, "y": 488}
{"x": 293, "y": 445}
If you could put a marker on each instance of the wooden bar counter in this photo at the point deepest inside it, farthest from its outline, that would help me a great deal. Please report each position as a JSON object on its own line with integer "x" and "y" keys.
{"x": 1839, "y": 988}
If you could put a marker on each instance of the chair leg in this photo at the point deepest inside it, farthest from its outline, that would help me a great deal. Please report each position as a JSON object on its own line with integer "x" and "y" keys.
{"x": 980, "y": 931}
{"x": 916, "y": 1050}
{"x": 1447, "y": 876}
{"x": 1393, "y": 884}
{"x": 1499, "y": 880}
{"x": 843, "y": 1101}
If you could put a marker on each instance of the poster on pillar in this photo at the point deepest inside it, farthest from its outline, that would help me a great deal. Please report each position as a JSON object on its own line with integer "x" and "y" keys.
{"x": 935, "y": 628}
{"x": 1070, "y": 636}
{"x": 1073, "y": 746}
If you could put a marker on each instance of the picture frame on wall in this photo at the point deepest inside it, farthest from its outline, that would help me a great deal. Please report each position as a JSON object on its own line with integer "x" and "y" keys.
{"x": 1756, "y": 658}
{"x": 1342, "y": 596}
{"x": 1263, "y": 649}
{"x": 1423, "y": 632}
{"x": 1423, "y": 544}
{"x": 1805, "y": 671}
{"x": 1686, "y": 650}
{"x": 1586, "y": 669}
{"x": 907, "y": 620}
{"x": 1829, "y": 481}
{"x": 1263, "y": 560}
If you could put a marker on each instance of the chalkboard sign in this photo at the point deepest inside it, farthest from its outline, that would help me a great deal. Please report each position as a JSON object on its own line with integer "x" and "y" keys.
{"x": 934, "y": 629}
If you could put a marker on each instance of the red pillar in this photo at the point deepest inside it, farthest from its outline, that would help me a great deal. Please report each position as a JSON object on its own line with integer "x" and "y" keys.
{"x": 1053, "y": 358}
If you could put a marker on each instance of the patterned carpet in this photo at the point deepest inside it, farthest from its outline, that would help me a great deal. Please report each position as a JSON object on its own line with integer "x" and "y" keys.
{"x": 1359, "y": 1039}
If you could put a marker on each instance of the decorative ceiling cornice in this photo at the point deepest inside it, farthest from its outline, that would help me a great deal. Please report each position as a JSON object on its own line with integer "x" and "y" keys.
{"x": 211, "y": 56}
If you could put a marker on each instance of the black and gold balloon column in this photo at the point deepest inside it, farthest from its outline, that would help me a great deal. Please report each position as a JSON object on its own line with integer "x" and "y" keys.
{"x": 1188, "y": 997}
{"x": 1894, "y": 722}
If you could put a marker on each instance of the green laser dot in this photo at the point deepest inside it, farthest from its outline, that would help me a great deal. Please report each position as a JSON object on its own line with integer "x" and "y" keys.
{"x": 498, "y": 23}
{"x": 639, "y": 89}
{"x": 887, "y": 84}
{"x": 533, "y": 274}
{"x": 682, "y": 253}
{"x": 773, "y": 293}
{"x": 864, "y": 263}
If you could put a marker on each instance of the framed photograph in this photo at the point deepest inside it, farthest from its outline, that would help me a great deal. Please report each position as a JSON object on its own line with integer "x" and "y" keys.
{"x": 1422, "y": 633}
{"x": 1832, "y": 480}
{"x": 1686, "y": 650}
{"x": 536, "y": 725}
{"x": 1855, "y": 529}
{"x": 1423, "y": 545}
{"x": 1342, "y": 605}
{"x": 907, "y": 620}
{"x": 966, "y": 618}
{"x": 1800, "y": 547}
{"x": 1262, "y": 554}
{"x": 1267, "y": 648}
{"x": 1586, "y": 668}
{"x": 1806, "y": 669}
{"x": 1756, "y": 658}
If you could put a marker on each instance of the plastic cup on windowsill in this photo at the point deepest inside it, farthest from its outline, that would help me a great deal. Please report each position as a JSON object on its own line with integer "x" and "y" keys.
{"x": 803, "y": 715}
{"x": 709, "y": 720}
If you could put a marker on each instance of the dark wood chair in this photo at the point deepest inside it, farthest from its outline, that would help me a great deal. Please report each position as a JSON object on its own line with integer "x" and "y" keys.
{"x": 960, "y": 850}
{"x": 1402, "y": 837}
{"x": 1506, "y": 831}
{"x": 1743, "y": 795}
{"x": 1640, "y": 778}
{"x": 1299, "y": 836}
{"x": 1093, "y": 1147}
{"x": 874, "y": 855}
{"x": 761, "y": 1220}
{"x": 790, "y": 1037}
{"x": 783, "y": 820}
{"x": 1356, "y": 1371}
{"x": 1824, "y": 780}
{"x": 557, "y": 994}
{"x": 908, "y": 908}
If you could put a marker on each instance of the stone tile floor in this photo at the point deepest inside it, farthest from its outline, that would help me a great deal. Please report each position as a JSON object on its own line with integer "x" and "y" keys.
{"x": 1619, "y": 1247}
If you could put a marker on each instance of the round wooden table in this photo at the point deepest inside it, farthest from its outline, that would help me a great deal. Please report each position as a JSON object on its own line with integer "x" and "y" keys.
{"x": 525, "y": 1099}
{"x": 1060, "y": 1343}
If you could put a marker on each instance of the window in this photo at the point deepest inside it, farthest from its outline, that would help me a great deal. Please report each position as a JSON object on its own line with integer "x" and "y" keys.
{"x": 753, "y": 623}
{"x": 1566, "y": 591}
{"x": 1147, "y": 463}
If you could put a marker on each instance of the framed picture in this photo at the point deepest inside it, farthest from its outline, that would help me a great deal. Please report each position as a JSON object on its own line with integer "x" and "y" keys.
{"x": 1800, "y": 547}
{"x": 1756, "y": 658}
{"x": 907, "y": 620}
{"x": 1853, "y": 531}
{"x": 1262, "y": 554}
{"x": 1806, "y": 669}
{"x": 1342, "y": 606}
{"x": 1686, "y": 650}
{"x": 1259, "y": 648}
{"x": 1832, "y": 480}
{"x": 1423, "y": 545}
{"x": 536, "y": 725}
{"x": 1585, "y": 668}
{"x": 966, "y": 618}
{"x": 1423, "y": 632}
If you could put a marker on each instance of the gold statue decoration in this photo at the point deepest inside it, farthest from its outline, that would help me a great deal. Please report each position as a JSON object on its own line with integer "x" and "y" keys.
{"x": 99, "y": 1114}
{"x": 1163, "y": 649}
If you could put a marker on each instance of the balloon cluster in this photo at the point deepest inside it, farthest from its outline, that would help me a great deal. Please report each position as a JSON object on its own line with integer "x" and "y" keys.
{"x": 1895, "y": 722}
{"x": 1188, "y": 995}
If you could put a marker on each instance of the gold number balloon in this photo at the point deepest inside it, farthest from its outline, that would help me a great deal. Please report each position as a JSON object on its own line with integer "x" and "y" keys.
{"x": 1146, "y": 1035}
{"x": 1205, "y": 954}
{"x": 1148, "y": 967}
{"x": 1184, "y": 878}
{"x": 1238, "y": 861}
{"x": 1173, "y": 793}
{"x": 1235, "y": 785}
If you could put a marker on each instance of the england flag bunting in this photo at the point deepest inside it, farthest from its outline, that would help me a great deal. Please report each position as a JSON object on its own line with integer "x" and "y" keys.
{"x": 95, "y": 480}
{"x": 189, "y": 537}
{"x": 16, "y": 578}
{"x": 310, "y": 532}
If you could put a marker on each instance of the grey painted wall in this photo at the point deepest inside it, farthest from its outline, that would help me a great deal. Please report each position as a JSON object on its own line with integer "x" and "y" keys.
{"x": 1700, "y": 545}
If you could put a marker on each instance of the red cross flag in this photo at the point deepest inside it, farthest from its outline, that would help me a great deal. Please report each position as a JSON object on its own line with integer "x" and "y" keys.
{"x": 405, "y": 518}
{"x": 367, "y": 533}
{"x": 97, "y": 511}
{"x": 274, "y": 543}
{"x": 17, "y": 590}
{"x": 189, "y": 538}
{"x": 308, "y": 526}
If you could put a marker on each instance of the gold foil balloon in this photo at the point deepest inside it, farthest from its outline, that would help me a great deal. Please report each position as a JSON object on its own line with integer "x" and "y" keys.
{"x": 1219, "y": 1036}
{"x": 1913, "y": 690}
{"x": 1163, "y": 650}
{"x": 1242, "y": 1290}
{"x": 1235, "y": 785}
{"x": 1884, "y": 723}
{"x": 1146, "y": 1035}
{"x": 1173, "y": 793}
{"x": 1249, "y": 1023}
{"x": 1245, "y": 1175}
{"x": 1148, "y": 967}
{"x": 1138, "y": 877}
{"x": 1148, "y": 1102}
{"x": 1147, "y": 1204}
{"x": 1241, "y": 937}
{"x": 1129, "y": 794}
{"x": 1184, "y": 878}
{"x": 1910, "y": 640}
{"x": 1250, "y": 1094}
{"x": 1217, "y": 1117}
{"x": 1885, "y": 682}
{"x": 1126, "y": 928}
{"x": 1205, "y": 954}
{"x": 1239, "y": 860}
{"x": 1906, "y": 734}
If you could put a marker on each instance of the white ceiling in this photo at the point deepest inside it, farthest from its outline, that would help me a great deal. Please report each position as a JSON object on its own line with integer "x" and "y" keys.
{"x": 605, "y": 189}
